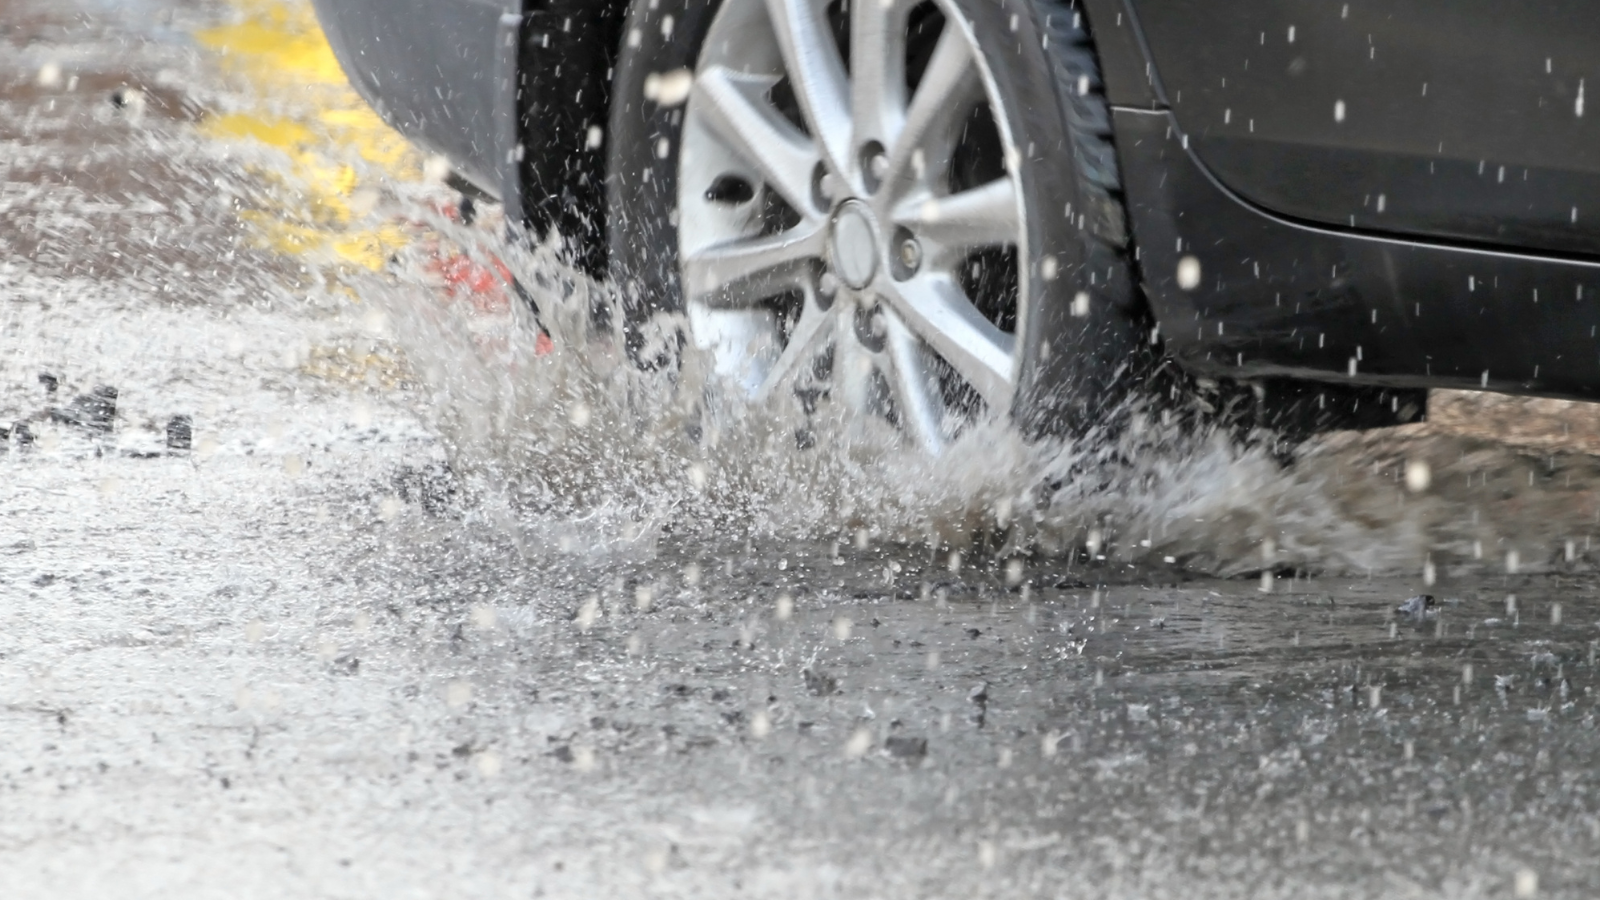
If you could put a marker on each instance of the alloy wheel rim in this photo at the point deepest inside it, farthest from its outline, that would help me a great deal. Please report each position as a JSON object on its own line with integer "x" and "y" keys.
{"x": 851, "y": 222}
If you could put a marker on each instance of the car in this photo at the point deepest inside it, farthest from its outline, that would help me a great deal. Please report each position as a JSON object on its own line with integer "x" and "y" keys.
{"x": 926, "y": 212}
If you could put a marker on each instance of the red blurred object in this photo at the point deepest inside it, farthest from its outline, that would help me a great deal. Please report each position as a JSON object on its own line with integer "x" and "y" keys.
{"x": 465, "y": 279}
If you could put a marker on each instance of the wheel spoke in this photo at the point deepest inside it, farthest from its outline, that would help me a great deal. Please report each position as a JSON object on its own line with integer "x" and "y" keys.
{"x": 735, "y": 107}
{"x": 984, "y": 216}
{"x": 915, "y": 384}
{"x": 742, "y": 272}
{"x": 878, "y": 69}
{"x": 935, "y": 307}
{"x": 806, "y": 340}
{"x": 944, "y": 98}
{"x": 816, "y": 72}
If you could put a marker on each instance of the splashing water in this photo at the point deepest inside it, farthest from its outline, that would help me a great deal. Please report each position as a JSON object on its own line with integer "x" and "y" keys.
{"x": 572, "y": 447}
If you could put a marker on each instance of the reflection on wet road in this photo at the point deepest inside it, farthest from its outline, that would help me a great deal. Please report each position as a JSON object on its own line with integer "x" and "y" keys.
{"x": 299, "y": 656}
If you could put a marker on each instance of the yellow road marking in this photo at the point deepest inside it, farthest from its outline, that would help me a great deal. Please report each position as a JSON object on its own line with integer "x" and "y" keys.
{"x": 305, "y": 108}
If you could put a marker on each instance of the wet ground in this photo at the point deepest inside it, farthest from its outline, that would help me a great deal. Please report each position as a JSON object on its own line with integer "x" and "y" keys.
{"x": 269, "y": 649}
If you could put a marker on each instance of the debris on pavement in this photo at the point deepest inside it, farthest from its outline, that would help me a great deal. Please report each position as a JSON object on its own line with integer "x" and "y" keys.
{"x": 95, "y": 411}
{"x": 1421, "y": 606}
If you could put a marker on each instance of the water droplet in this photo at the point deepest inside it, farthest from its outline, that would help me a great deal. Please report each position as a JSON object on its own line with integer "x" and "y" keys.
{"x": 1014, "y": 572}
{"x": 489, "y": 763}
{"x": 390, "y": 507}
{"x": 858, "y": 745}
{"x": 484, "y": 617}
{"x": 589, "y": 613}
{"x": 842, "y": 626}
{"x": 1419, "y": 475}
{"x": 1189, "y": 273}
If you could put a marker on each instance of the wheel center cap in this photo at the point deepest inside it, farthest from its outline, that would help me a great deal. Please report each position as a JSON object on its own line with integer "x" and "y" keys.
{"x": 855, "y": 245}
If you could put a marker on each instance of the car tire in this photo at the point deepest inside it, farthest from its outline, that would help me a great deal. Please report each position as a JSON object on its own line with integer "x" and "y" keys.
{"x": 1079, "y": 339}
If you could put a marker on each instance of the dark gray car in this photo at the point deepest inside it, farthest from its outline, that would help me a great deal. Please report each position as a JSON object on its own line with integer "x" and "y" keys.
{"x": 932, "y": 210}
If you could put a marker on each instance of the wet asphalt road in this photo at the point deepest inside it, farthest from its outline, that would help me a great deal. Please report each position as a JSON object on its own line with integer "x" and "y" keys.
{"x": 278, "y": 663}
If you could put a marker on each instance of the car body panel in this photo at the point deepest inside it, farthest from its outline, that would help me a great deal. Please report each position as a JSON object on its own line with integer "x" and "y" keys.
{"x": 1460, "y": 119}
{"x": 1433, "y": 291}
{"x": 429, "y": 67}
{"x": 1277, "y": 297}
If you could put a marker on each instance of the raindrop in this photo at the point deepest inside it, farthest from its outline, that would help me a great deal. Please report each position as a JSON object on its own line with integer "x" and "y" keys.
{"x": 1188, "y": 273}
{"x": 1014, "y": 571}
{"x": 858, "y": 745}
{"x": 583, "y": 758}
{"x": 1338, "y": 111}
{"x": 842, "y": 626}
{"x": 389, "y": 508}
{"x": 1419, "y": 475}
{"x": 483, "y": 617}
{"x": 588, "y": 613}
{"x": 489, "y": 764}
{"x": 784, "y": 608}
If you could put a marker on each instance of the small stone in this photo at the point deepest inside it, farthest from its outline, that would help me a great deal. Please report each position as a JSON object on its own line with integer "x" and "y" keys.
{"x": 180, "y": 433}
{"x": 906, "y": 747}
{"x": 96, "y": 410}
{"x": 1421, "y": 606}
{"x": 819, "y": 682}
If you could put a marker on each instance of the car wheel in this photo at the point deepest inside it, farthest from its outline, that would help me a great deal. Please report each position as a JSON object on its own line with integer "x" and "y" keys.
{"x": 908, "y": 208}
